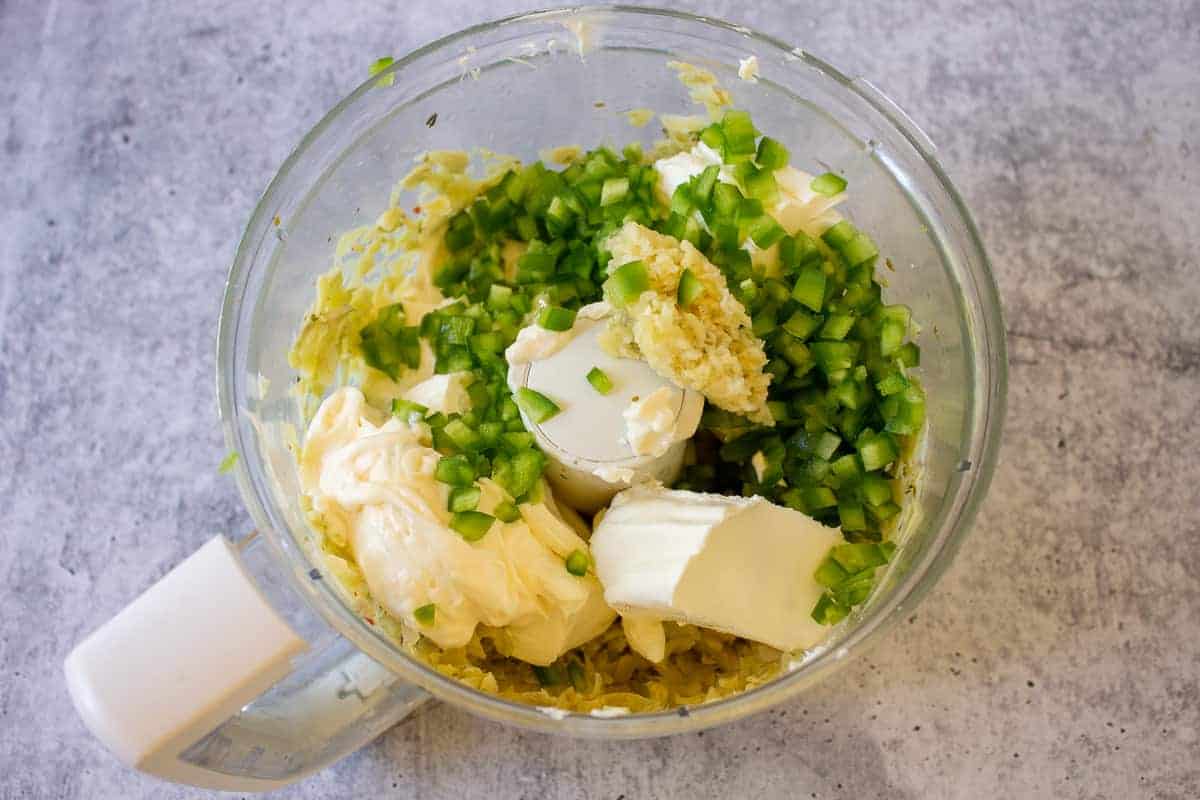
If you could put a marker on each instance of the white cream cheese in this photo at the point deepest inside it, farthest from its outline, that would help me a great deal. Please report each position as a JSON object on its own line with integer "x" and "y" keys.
{"x": 371, "y": 480}
{"x": 682, "y": 167}
{"x": 800, "y": 208}
{"x": 609, "y": 712}
{"x": 797, "y": 208}
{"x": 610, "y": 474}
{"x": 444, "y": 393}
{"x": 650, "y": 422}
{"x": 740, "y": 565}
{"x": 535, "y": 343}
{"x": 748, "y": 69}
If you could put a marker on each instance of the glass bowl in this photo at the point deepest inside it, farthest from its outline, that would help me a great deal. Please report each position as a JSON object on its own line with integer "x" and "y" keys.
{"x": 567, "y": 77}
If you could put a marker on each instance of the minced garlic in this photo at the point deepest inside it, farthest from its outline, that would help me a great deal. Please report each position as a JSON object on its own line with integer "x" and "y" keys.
{"x": 709, "y": 347}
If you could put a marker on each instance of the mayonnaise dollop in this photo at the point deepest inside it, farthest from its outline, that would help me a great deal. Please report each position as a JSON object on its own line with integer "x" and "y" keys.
{"x": 371, "y": 479}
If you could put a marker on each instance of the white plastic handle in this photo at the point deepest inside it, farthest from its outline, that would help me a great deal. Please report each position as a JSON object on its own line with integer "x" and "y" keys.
{"x": 186, "y": 655}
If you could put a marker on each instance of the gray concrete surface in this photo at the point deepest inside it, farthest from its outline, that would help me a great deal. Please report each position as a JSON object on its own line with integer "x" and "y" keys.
{"x": 1058, "y": 658}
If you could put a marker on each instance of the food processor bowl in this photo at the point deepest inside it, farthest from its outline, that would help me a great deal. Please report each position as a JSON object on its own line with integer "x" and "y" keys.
{"x": 516, "y": 86}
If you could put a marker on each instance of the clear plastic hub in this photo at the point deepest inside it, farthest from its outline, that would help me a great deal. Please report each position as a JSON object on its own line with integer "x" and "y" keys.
{"x": 586, "y": 442}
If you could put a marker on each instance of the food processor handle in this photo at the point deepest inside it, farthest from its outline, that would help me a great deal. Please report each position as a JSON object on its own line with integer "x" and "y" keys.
{"x": 202, "y": 681}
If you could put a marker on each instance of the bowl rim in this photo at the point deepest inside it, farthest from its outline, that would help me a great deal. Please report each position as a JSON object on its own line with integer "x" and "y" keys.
{"x": 917, "y": 583}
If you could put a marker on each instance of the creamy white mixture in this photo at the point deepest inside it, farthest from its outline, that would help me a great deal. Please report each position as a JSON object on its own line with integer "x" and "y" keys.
{"x": 444, "y": 393}
{"x": 372, "y": 481}
{"x": 535, "y": 343}
{"x": 650, "y": 422}
{"x": 615, "y": 474}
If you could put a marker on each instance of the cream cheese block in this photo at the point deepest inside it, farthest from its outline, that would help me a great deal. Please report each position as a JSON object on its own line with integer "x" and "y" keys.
{"x": 742, "y": 565}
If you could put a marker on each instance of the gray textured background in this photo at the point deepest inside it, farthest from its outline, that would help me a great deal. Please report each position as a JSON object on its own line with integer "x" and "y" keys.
{"x": 1058, "y": 658}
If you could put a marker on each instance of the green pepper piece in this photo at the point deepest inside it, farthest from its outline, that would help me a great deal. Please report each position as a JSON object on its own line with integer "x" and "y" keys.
{"x": 627, "y": 282}
{"x": 471, "y": 525}
{"x": 599, "y": 380}
{"x": 828, "y": 184}
{"x": 536, "y": 405}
